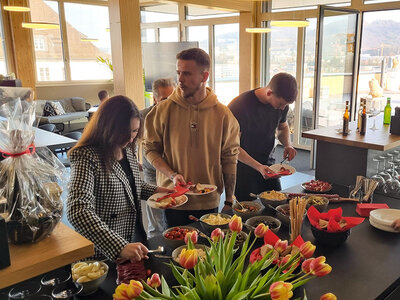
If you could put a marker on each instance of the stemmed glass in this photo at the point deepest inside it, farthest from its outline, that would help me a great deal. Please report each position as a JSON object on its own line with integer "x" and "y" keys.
{"x": 381, "y": 181}
{"x": 384, "y": 173}
{"x": 393, "y": 185}
{"x": 374, "y": 113}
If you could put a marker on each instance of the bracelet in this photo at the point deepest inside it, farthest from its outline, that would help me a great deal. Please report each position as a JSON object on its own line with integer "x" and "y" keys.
{"x": 228, "y": 203}
{"x": 173, "y": 176}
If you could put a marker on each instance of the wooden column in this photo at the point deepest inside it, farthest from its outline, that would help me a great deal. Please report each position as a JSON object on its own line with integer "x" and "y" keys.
{"x": 245, "y": 52}
{"x": 126, "y": 49}
{"x": 19, "y": 45}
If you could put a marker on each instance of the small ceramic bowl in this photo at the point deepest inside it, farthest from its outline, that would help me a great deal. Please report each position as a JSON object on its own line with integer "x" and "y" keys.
{"x": 285, "y": 218}
{"x": 210, "y": 227}
{"x": 270, "y": 201}
{"x": 240, "y": 238}
{"x": 322, "y": 206}
{"x": 176, "y": 242}
{"x": 273, "y": 223}
{"x": 89, "y": 287}
{"x": 332, "y": 239}
{"x": 249, "y": 213}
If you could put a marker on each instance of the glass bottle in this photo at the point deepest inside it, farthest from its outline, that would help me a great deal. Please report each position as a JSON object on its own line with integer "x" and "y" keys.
{"x": 387, "y": 113}
{"x": 346, "y": 120}
{"x": 363, "y": 127}
{"x": 359, "y": 113}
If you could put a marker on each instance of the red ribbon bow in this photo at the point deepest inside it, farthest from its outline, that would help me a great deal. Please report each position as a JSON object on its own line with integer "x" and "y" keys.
{"x": 30, "y": 150}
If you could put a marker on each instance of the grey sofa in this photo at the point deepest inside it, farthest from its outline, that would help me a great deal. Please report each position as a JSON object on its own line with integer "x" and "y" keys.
{"x": 74, "y": 107}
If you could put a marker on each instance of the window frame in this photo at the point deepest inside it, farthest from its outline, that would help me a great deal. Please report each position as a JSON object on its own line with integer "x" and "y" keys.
{"x": 65, "y": 50}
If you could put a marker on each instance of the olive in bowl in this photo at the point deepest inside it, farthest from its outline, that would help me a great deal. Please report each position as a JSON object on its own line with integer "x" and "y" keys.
{"x": 240, "y": 237}
{"x": 273, "y": 223}
{"x": 90, "y": 274}
{"x": 251, "y": 209}
{"x": 175, "y": 236}
{"x": 283, "y": 214}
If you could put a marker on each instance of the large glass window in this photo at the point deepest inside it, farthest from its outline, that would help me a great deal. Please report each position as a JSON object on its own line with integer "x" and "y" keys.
{"x": 288, "y": 5}
{"x": 47, "y": 42}
{"x": 88, "y": 39}
{"x": 226, "y": 61}
{"x": 159, "y": 13}
{"x": 148, "y": 35}
{"x": 198, "y": 12}
{"x": 3, "y": 60}
{"x": 169, "y": 34}
{"x": 198, "y": 34}
{"x": 379, "y": 74}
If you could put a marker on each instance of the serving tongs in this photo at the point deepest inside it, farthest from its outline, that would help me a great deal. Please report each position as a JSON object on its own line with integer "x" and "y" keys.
{"x": 160, "y": 249}
{"x": 241, "y": 209}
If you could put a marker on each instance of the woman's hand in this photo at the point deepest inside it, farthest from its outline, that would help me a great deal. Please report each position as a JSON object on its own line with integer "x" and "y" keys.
{"x": 134, "y": 252}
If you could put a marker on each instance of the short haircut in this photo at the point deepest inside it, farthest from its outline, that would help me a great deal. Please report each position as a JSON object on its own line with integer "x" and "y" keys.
{"x": 201, "y": 57}
{"x": 162, "y": 82}
{"x": 284, "y": 86}
{"x": 102, "y": 94}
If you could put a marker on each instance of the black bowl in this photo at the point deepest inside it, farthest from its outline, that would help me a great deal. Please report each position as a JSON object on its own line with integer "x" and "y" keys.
{"x": 332, "y": 239}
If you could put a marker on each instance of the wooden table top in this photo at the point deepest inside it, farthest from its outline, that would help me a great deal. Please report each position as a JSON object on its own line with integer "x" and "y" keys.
{"x": 380, "y": 139}
{"x": 62, "y": 247}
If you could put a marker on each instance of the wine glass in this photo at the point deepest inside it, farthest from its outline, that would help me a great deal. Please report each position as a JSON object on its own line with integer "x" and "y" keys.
{"x": 24, "y": 290}
{"x": 384, "y": 173}
{"x": 374, "y": 113}
{"x": 381, "y": 181}
{"x": 67, "y": 290}
{"x": 393, "y": 185}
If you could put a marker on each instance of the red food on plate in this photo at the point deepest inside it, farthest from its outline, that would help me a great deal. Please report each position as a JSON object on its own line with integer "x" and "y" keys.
{"x": 177, "y": 233}
{"x": 317, "y": 186}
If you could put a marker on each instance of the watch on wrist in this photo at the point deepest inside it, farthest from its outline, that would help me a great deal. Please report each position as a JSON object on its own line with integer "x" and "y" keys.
{"x": 173, "y": 176}
{"x": 228, "y": 203}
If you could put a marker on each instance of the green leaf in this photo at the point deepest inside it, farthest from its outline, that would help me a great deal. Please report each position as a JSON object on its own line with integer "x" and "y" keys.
{"x": 178, "y": 276}
{"x": 242, "y": 295}
{"x": 164, "y": 287}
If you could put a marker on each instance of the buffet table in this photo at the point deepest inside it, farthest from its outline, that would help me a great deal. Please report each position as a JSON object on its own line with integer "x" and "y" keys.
{"x": 340, "y": 159}
{"x": 62, "y": 247}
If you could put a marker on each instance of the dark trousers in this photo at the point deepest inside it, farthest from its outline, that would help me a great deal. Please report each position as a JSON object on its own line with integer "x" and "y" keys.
{"x": 249, "y": 181}
{"x": 181, "y": 217}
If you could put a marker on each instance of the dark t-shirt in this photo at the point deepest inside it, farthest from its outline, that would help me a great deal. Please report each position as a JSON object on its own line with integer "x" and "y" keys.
{"x": 258, "y": 123}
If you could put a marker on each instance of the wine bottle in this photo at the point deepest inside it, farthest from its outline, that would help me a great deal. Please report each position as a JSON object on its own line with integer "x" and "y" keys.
{"x": 363, "y": 127}
{"x": 359, "y": 113}
{"x": 346, "y": 120}
{"x": 387, "y": 113}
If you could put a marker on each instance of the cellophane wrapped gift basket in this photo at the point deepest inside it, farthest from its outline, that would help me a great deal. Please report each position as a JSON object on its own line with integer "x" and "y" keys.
{"x": 31, "y": 180}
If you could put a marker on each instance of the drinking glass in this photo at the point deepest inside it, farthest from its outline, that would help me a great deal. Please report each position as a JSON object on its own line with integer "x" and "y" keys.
{"x": 24, "y": 290}
{"x": 384, "y": 173}
{"x": 393, "y": 185}
{"x": 377, "y": 177}
{"x": 374, "y": 113}
{"x": 52, "y": 279}
{"x": 67, "y": 290}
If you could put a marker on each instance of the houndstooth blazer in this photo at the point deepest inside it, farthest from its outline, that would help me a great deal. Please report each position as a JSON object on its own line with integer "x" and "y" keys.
{"x": 101, "y": 207}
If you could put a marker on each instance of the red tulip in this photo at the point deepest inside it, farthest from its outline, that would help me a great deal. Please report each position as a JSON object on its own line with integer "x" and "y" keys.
{"x": 191, "y": 235}
{"x": 281, "y": 290}
{"x": 217, "y": 234}
{"x": 319, "y": 268}
{"x": 305, "y": 266}
{"x": 261, "y": 230}
{"x": 154, "y": 281}
{"x": 235, "y": 224}
{"x": 128, "y": 291}
{"x": 188, "y": 258}
{"x": 281, "y": 246}
{"x": 307, "y": 249}
{"x": 328, "y": 296}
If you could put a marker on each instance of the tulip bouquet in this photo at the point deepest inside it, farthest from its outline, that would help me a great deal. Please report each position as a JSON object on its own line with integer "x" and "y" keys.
{"x": 219, "y": 276}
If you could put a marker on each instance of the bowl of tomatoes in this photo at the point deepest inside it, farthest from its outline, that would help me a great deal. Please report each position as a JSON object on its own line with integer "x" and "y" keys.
{"x": 317, "y": 186}
{"x": 175, "y": 236}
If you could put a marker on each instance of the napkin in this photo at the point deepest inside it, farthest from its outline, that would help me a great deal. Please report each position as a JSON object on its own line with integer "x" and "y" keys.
{"x": 333, "y": 216}
{"x": 277, "y": 174}
{"x": 271, "y": 239}
{"x": 179, "y": 190}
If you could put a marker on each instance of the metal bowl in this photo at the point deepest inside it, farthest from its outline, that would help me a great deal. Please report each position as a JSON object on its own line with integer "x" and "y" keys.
{"x": 174, "y": 243}
{"x": 210, "y": 227}
{"x": 247, "y": 214}
{"x": 272, "y": 202}
{"x": 285, "y": 219}
{"x": 267, "y": 220}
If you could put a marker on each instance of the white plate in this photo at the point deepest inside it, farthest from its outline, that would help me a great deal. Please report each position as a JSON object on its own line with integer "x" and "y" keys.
{"x": 277, "y": 167}
{"x": 385, "y": 216}
{"x": 154, "y": 204}
{"x": 209, "y": 186}
{"x": 382, "y": 227}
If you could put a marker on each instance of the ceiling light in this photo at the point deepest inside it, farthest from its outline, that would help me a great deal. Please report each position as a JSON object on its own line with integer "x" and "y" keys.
{"x": 40, "y": 25}
{"x": 290, "y": 23}
{"x": 16, "y": 8}
{"x": 89, "y": 40}
{"x": 258, "y": 30}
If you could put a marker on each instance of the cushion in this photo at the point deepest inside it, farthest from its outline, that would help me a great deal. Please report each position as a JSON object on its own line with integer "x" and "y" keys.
{"x": 48, "y": 110}
{"x": 67, "y": 105}
{"x": 78, "y": 103}
{"x": 57, "y": 107}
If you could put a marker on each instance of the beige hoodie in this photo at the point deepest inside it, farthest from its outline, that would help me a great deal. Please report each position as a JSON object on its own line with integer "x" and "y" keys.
{"x": 201, "y": 142}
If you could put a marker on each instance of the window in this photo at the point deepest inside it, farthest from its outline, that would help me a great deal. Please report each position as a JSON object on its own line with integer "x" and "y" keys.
{"x": 3, "y": 60}
{"x": 159, "y": 13}
{"x": 40, "y": 44}
{"x": 148, "y": 35}
{"x": 290, "y": 5}
{"x": 169, "y": 34}
{"x": 198, "y": 34}
{"x": 197, "y": 12}
{"x": 226, "y": 62}
{"x": 380, "y": 57}
{"x": 378, "y": 1}
{"x": 49, "y": 55}
{"x": 88, "y": 38}
{"x": 44, "y": 74}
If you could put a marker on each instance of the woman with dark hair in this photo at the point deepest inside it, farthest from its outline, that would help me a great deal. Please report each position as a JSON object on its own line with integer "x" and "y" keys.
{"x": 105, "y": 187}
